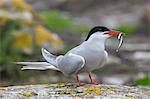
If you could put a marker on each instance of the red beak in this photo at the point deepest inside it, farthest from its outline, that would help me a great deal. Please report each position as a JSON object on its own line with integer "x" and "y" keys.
{"x": 114, "y": 33}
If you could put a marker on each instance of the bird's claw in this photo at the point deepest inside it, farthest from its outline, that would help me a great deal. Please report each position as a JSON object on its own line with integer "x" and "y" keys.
{"x": 81, "y": 84}
{"x": 94, "y": 83}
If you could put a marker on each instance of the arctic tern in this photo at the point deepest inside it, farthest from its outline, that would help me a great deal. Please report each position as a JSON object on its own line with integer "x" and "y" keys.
{"x": 86, "y": 57}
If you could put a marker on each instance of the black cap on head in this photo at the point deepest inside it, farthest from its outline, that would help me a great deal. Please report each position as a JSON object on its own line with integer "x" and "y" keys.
{"x": 97, "y": 29}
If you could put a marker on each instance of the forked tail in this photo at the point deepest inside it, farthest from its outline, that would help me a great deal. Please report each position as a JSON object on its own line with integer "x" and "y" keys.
{"x": 50, "y": 64}
{"x": 37, "y": 65}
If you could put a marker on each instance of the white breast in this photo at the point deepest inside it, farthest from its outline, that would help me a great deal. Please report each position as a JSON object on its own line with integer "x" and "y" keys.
{"x": 102, "y": 61}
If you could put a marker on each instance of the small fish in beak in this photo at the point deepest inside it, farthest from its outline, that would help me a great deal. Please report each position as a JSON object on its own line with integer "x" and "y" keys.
{"x": 120, "y": 38}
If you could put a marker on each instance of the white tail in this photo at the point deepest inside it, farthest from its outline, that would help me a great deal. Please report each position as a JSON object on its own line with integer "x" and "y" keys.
{"x": 37, "y": 65}
{"x": 50, "y": 58}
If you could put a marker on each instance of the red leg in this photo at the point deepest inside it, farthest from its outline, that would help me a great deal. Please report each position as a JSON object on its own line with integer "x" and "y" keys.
{"x": 80, "y": 84}
{"x": 91, "y": 81}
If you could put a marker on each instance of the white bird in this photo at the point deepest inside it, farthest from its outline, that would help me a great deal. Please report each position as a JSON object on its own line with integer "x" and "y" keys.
{"x": 86, "y": 57}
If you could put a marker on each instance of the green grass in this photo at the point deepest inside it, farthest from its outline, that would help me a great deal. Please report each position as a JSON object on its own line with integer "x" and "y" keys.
{"x": 55, "y": 21}
{"x": 145, "y": 81}
{"x": 128, "y": 29}
{"x": 58, "y": 22}
{"x": 8, "y": 54}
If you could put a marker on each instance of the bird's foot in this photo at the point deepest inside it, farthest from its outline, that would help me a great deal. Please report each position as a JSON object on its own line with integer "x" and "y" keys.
{"x": 94, "y": 83}
{"x": 81, "y": 84}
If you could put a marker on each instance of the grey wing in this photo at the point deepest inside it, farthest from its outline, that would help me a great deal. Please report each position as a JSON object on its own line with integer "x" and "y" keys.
{"x": 71, "y": 64}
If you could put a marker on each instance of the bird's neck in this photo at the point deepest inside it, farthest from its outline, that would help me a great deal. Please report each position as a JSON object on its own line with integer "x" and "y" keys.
{"x": 97, "y": 42}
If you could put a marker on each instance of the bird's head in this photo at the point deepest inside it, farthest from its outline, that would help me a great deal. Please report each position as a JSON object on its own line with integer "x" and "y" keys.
{"x": 103, "y": 33}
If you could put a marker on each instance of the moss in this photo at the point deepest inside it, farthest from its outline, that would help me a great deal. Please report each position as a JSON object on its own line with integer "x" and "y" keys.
{"x": 70, "y": 92}
{"x": 58, "y": 85}
{"x": 110, "y": 88}
{"x": 93, "y": 89}
{"x": 27, "y": 94}
{"x": 70, "y": 85}
{"x": 61, "y": 84}
{"x": 89, "y": 90}
{"x": 29, "y": 88}
{"x": 129, "y": 97}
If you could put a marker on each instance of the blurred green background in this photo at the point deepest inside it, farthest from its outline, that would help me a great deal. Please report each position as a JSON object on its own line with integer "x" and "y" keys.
{"x": 59, "y": 25}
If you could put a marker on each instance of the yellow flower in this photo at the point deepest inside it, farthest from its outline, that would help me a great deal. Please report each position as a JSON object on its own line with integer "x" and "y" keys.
{"x": 42, "y": 35}
{"x": 3, "y": 20}
{"x": 22, "y": 40}
{"x": 21, "y": 5}
{"x": 4, "y": 17}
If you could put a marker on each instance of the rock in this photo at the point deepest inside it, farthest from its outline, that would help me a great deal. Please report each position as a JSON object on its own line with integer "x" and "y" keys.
{"x": 136, "y": 47}
{"x": 62, "y": 90}
{"x": 140, "y": 60}
{"x": 117, "y": 79}
{"x": 141, "y": 56}
{"x": 143, "y": 25}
